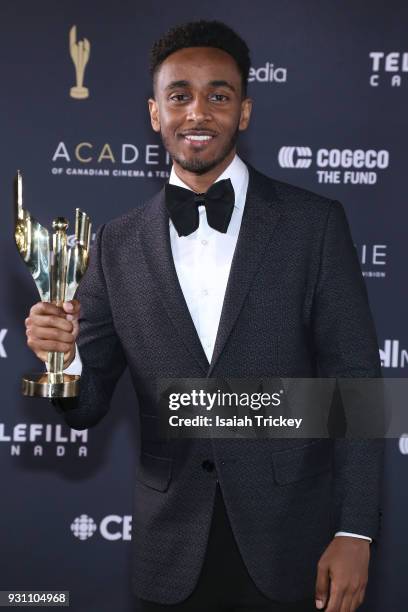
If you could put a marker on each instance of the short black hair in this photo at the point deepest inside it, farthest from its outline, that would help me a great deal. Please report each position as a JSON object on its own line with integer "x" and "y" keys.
{"x": 202, "y": 34}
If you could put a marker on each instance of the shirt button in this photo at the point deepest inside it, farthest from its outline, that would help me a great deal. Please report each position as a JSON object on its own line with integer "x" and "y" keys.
{"x": 204, "y": 242}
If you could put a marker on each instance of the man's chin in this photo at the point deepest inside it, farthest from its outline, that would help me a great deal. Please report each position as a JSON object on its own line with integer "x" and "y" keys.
{"x": 197, "y": 165}
{"x": 201, "y": 165}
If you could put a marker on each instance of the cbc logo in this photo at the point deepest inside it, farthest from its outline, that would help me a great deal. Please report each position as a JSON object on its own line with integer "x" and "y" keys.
{"x": 83, "y": 527}
{"x": 301, "y": 157}
{"x": 111, "y": 527}
{"x": 403, "y": 444}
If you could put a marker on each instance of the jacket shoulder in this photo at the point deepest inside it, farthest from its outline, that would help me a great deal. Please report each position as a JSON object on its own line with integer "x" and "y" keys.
{"x": 288, "y": 194}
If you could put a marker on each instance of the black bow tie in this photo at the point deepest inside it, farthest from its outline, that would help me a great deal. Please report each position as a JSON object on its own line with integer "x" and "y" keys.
{"x": 182, "y": 205}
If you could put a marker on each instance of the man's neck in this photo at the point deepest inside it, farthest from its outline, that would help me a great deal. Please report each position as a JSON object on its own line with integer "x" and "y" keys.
{"x": 200, "y": 183}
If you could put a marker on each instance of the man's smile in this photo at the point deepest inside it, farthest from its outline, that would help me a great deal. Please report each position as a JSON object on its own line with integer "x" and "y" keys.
{"x": 198, "y": 139}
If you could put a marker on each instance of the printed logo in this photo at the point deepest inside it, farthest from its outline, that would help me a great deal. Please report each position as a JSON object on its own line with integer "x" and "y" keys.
{"x": 346, "y": 166}
{"x": 126, "y": 160}
{"x": 71, "y": 240}
{"x": 373, "y": 260}
{"x": 392, "y": 356}
{"x": 83, "y": 527}
{"x": 403, "y": 444}
{"x": 44, "y": 439}
{"x": 3, "y": 333}
{"x": 295, "y": 157}
{"x": 112, "y": 527}
{"x": 80, "y": 52}
{"x": 388, "y": 68}
{"x": 268, "y": 74}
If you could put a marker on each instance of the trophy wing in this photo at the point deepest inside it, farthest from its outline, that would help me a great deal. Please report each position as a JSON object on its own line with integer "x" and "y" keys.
{"x": 73, "y": 47}
{"x": 33, "y": 243}
{"x": 87, "y": 51}
{"x": 78, "y": 255}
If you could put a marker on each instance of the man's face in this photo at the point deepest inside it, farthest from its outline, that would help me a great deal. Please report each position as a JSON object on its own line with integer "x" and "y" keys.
{"x": 198, "y": 107}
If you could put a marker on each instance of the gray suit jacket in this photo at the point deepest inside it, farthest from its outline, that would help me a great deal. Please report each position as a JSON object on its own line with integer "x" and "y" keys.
{"x": 295, "y": 306}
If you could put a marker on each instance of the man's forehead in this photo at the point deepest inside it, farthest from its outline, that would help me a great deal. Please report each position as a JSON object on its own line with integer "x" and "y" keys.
{"x": 195, "y": 61}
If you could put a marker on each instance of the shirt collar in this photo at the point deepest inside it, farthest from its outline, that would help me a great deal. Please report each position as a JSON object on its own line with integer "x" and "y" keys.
{"x": 238, "y": 174}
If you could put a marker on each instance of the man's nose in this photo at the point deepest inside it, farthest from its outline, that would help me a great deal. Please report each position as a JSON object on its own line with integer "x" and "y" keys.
{"x": 198, "y": 109}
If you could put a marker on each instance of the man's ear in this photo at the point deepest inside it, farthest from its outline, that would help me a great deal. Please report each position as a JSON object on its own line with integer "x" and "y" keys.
{"x": 246, "y": 108}
{"x": 154, "y": 114}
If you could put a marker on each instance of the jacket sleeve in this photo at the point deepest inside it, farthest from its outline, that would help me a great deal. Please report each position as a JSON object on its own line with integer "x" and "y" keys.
{"x": 346, "y": 346}
{"x": 102, "y": 356}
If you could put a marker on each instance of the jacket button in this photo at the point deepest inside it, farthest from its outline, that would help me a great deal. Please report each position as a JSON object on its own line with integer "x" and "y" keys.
{"x": 208, "y": 465}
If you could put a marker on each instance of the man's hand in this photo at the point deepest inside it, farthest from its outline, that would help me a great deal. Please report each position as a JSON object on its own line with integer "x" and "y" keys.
{"x": 342, "y": 574}
{"x": 51, "y": 328}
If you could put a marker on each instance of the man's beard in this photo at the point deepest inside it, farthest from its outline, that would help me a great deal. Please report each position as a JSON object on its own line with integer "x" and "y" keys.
{"x": 197, "y": 165}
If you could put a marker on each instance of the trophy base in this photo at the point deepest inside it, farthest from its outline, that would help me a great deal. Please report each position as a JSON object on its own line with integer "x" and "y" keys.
{"x": 79, "y": 93}
{"x": 44, "y": 385}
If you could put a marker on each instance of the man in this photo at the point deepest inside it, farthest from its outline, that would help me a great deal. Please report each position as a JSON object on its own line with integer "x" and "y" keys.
{"x": 253, "y": 278}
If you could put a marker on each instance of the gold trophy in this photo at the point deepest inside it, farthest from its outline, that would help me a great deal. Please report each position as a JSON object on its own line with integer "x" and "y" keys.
{"x": 57, "y": 274}
{"x": 80, "y": 52}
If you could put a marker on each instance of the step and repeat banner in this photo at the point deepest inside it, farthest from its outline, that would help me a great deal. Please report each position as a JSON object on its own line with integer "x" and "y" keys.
{"x": 329, "y": 83}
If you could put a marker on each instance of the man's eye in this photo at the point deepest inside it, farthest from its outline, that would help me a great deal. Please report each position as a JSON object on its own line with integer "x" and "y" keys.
{"x": 219, "y": 97}
{"x": 178, "y": 97}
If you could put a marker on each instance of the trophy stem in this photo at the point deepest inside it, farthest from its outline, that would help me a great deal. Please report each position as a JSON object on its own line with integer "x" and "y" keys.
{"x": 58, "y": 288}
{"x": 55, "y": 366}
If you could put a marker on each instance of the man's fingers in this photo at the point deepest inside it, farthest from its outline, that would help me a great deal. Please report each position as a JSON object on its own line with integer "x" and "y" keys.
{"x": 71, "y": 307}
{"x": 39, "y": 346}
{"x": 337, "y": 594}
{"x": 322, "y": 585}
{"x": 346, "y": 563}
{"x": 50, "y": 333}
{"x": 49, "y": 321}
{"x": 50, "y": 329}
{"x": 347, "y": 601}
{"x": 357, "y": 599}
{"x": 75, "y": 328}
{"x": 46, "y": 308}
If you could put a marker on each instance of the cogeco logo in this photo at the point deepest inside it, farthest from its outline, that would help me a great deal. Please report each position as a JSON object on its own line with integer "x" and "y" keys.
{"x": 112, "y": 527}
{"x": 353, "y": 166}
{"x": 295, "y": 157}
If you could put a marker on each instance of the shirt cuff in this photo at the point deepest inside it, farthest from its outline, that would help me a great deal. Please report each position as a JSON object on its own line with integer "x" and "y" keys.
{"x": 353, "y": 535}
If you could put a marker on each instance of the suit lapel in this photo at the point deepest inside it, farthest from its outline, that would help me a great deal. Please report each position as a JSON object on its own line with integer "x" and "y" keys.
{"x": 259, "y": 220}
{"x": 155, "y": 241}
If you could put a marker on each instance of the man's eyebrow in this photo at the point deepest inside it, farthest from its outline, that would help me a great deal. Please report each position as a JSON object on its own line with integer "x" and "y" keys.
{"x": 216, "y": 83}
{"x": 175, "y": 84}
{"x": 222, "y": 83}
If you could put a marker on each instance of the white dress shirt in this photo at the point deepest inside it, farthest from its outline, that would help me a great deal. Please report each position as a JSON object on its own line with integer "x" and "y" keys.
{"x": 203, "y": 259}
{"x": 203, "y": 262}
